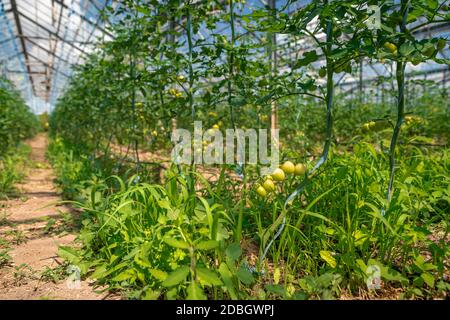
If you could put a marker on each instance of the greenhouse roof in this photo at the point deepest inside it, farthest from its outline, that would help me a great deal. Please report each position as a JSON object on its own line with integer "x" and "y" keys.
{"x": 41, "y": 39}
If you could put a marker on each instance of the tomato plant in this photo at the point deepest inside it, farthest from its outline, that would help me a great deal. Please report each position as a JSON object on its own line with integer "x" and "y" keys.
{"x": 321, "y": 219}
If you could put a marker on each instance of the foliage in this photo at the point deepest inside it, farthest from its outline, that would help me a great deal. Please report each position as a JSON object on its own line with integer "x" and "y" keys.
{"x": 12, "y": 169}
{"x": 17, "y": 122}
{"x": 160, "y": 241}
{"x": 170, "y": 64}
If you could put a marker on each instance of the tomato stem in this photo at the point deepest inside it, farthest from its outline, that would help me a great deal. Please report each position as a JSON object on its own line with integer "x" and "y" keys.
{"x": 400, "y": 75}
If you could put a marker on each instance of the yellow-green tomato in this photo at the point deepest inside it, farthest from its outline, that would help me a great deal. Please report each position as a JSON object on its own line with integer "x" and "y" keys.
{"x": 428, "y": 52}
{"x": 288, "y": 167}
{"x": 300, "y": 169}
{"x": 278, "y": 175}
{"x": 322, "y": 72}
{"x": 269, "y": 185}
{"x": 366, "y": 127}
{"x": 261, "y": 191}
{"x": 392, "y": 48}
{"x": 441, "y": 44}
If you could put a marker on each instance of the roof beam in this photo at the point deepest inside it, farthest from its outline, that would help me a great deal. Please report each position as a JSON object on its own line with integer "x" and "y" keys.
{"x": 95, "y": 25}
{"x": 22, "y": 41}
{"x": 48, "y": 38}
{"x": 49, "y": 74}
{"x": 48, "y": 51}
{"x": 48, "y": 66}
{"x": 21, "y": 71}
{"x": 51, "y": 32}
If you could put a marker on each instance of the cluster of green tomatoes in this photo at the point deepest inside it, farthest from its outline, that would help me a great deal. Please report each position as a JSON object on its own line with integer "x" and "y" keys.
{"x": 279, "y": 175}
{"x": 374, "y": 126}
{"x": 175, "y": 93}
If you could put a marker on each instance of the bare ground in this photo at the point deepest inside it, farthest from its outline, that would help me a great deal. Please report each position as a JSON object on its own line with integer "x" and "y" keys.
{"x": 28, "y": 228}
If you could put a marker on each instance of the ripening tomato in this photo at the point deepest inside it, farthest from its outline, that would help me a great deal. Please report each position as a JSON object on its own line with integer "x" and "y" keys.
{"x": 288, "y": 167}
{"x": 392, "y": 48}
{"x": 261, "y": 191}
{"x": 278, "y": 175}
{"x": 268, "y": 185}
{"x": 300, "y": 169}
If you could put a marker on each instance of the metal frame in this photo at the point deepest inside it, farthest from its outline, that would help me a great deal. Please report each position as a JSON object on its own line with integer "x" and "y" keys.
{"x": 22, "y": 41}
{"x": 48, "y": 42}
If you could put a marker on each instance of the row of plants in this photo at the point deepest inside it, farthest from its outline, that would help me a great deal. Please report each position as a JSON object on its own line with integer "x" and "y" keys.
{"x": 415, "y": 228}
{"x": 17, "y": 123}
{"x": 13, "y": 166}
{"x": 145, "y": 240}
{"x": 315, "y": 234}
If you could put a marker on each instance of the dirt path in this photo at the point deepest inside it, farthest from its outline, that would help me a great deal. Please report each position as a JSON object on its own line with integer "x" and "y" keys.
{"x": 31, "y": 229}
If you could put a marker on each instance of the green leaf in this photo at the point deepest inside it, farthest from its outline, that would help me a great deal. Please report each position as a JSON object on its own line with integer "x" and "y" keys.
{"x": 207, "y": 245}
{"x": 362, "y": 266}
{"x": 233, "y": 251}
{"x": 150, "y": 294}
{"x": 125, "y": 275}
{"x": 158, "y": 274}
{"x": 195, "y": 292}
{"x": 276, "y": 289}
{"x": 245, "y": 276}
{"x": 406, "y": 49}
{"x": 387, "y": 273}
{"x": 69, "y": 254}
{"x": 209, "y": 277}
{"x": 176, "y": 243}
{"x": 227, "y": 279}
{"x": 428, "y": 279}
{"x": 329, "y": 259}
{"x": 176, "y": 277}
{"x": 99, "y": 272}
{"x": 308, "y": 58}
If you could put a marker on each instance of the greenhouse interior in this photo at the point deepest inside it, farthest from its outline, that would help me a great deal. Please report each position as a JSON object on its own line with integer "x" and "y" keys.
{"x": 224, "y": 150}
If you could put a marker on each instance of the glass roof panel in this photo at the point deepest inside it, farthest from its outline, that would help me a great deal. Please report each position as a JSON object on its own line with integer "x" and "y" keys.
{"x": 41, "y": 39}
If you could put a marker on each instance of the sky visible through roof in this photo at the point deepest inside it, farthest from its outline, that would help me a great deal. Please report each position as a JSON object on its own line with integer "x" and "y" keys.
{"x": 40, "y": 41}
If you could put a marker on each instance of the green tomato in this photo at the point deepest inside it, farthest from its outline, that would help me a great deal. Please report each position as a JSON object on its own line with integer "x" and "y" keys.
{"x": 268, "y": 185}
{"x": 392, "y": 48}
{"x": 441, "y": 44}
{"x": 261, "y": 191}
{"x": 278, "y": 175}
{"x": 322, "y": 72}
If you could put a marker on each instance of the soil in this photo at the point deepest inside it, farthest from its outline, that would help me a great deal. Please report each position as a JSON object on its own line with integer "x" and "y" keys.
{"x": 32, "y": 227}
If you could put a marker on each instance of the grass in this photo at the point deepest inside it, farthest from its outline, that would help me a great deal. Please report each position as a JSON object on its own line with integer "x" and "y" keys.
{"x": 5, "y": 258}
{"x": 13, "y": 170}
{"x": 16, "y": 237}
{"x": 54, "y": 274}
